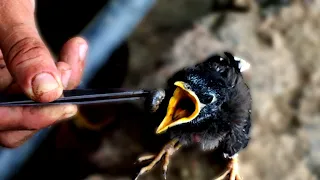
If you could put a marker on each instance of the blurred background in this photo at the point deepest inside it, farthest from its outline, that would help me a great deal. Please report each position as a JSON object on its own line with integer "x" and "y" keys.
{"x": 140, "y": 44}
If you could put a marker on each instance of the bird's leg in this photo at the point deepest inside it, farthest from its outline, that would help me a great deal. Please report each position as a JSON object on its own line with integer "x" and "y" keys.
{"x": 167, "y": 151}
{"x": 233, "y": 170}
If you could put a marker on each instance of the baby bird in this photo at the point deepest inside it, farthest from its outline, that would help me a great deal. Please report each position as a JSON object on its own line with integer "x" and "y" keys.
{"x": 208, "y": 104}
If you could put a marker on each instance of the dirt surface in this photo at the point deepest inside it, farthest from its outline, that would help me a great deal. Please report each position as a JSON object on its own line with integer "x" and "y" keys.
{"x": 283, "y": 49}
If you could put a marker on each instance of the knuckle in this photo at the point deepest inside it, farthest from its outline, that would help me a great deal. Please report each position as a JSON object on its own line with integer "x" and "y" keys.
{"x": 63, "y": 66}
{"x": 26, "y": 49}
{"x": 46, "y": 116}
{"x": 32, "y": 113}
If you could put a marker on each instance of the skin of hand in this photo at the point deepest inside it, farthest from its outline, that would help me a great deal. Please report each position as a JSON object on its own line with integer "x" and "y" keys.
{"x": 26, "y": 65}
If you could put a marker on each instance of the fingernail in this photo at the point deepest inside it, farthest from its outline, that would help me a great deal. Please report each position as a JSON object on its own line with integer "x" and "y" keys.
{"x": 65, "y": 77}
{"x": 70, "y": 111}
{"x": 44, "y": 83}
{"x": 82, "y": 51}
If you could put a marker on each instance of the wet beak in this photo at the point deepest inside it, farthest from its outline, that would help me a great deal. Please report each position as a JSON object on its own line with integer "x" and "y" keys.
{"x": 183, "y": 107}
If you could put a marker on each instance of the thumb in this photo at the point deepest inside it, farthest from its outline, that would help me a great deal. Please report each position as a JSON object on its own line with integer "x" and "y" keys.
{"x": 26, "y": 55}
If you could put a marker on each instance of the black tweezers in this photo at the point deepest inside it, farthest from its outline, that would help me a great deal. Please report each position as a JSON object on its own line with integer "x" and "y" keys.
{"x": 78, "y": 96}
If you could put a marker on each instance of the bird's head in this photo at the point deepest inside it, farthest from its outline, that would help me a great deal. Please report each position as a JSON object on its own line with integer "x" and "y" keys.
{"x": 201, "y": 89}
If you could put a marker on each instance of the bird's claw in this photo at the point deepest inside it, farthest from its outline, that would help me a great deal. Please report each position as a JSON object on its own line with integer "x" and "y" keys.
{"x": 164, "y": 174}
{"x": 167, "y": 151}
{"x": 146, "y": 157}
{"x": 233, "y": 170}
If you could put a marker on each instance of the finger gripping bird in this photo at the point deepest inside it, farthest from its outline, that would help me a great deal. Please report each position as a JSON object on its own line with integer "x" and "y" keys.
{"x": 208, "y": 104}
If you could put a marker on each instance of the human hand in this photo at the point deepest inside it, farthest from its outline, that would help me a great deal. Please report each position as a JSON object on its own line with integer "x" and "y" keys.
{"x": 27, "y": 66}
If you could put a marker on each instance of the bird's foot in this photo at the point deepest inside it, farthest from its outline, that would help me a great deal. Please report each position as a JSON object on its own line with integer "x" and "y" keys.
{"x": 167, "y": 151}
{"x": 233, "y": 170}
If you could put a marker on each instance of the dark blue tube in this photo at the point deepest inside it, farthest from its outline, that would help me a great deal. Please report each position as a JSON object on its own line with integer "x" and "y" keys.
{"x": 106, "y": 32}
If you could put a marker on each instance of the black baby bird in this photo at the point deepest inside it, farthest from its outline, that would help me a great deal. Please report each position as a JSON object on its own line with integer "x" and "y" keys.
{"x": 208, "y": 104}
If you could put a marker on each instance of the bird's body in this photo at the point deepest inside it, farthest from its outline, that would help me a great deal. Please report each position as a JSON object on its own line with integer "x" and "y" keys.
{"x": 208, "y": 104}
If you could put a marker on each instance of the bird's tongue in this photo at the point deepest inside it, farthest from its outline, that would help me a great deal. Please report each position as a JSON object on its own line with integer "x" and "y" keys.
{"x": 180, "y": 113}
{"x": 182, "y": 108}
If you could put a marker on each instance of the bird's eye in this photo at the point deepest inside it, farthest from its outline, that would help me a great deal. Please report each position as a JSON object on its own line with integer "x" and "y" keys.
{"x": 208, "y": 98}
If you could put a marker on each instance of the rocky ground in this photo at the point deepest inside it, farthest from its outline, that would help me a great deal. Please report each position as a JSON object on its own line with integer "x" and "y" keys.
{"x": 282, "y": 44}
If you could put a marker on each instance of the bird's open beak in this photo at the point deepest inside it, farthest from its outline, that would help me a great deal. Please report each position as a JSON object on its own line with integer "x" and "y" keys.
{"x": 183, "y": 107}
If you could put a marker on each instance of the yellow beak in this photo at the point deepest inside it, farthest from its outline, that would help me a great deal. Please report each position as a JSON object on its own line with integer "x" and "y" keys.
{"x": 183, "y": 107}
